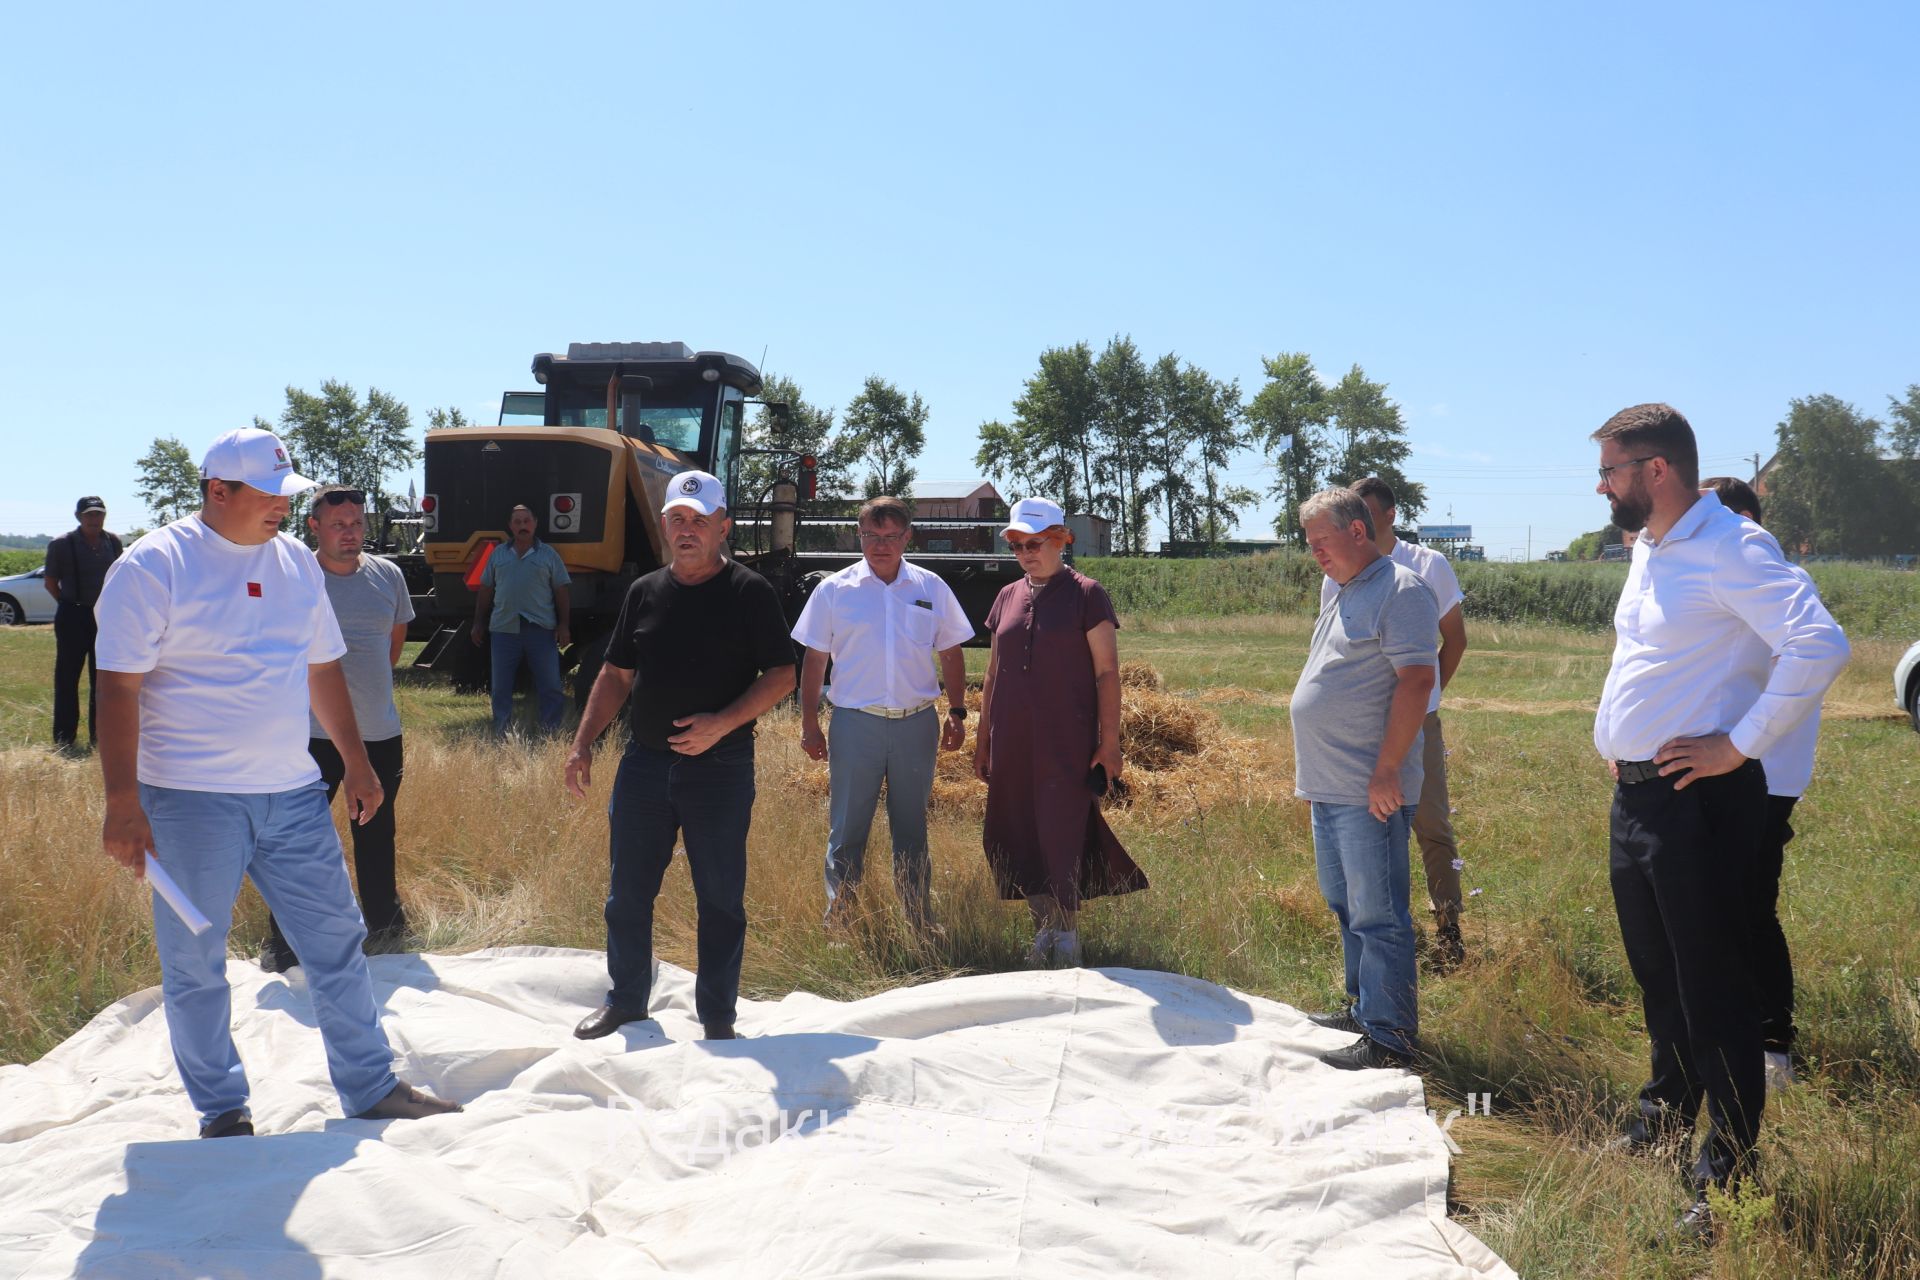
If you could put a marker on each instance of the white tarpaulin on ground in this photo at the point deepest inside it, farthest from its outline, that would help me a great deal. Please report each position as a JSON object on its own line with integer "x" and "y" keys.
{"x": 1073, "y": 1123}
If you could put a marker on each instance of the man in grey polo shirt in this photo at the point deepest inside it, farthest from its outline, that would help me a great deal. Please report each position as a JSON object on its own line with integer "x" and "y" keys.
{"x": 1357, "y": 713}
{"x": 370, "y": 601}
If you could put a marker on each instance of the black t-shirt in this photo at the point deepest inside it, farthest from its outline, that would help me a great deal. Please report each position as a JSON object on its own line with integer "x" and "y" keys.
{"x": 81, "y": 566}
{"x": 696, "y": 649}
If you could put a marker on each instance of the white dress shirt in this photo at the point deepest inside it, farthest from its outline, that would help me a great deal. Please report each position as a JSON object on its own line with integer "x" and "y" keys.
{"x": 883, "y": 637}
{"x": 1789, "y": 762}
{"x": 1715, "y": 633}
{"x": 1432, "y": 569}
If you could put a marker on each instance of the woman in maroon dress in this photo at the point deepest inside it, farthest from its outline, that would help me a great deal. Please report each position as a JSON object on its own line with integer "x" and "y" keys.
{"x": 1049, "y": 737}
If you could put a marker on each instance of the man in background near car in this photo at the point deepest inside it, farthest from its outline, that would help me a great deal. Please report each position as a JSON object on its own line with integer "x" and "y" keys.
{"x": 1789, "y": 769}
{"x": 370, "y": 602}
{"x": 77, "y": 564}
{"x": 524, "y": 602}
{"x": 1433, "y": 820}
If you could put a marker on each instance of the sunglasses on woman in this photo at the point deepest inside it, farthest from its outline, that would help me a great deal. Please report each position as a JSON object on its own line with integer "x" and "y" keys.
{"x": 1031, "y": 545}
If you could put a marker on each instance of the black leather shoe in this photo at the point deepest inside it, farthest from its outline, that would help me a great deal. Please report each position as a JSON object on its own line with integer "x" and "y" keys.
{"x": 1341, "y": 1021}
{"x": 1368, "y": 1054}
{"x": 718, "y": 1032}
{"x": 277, "y": 959}
{"x": 228, "y": 1124}
{"x": 606, "y": 1020}
{"x": 1695, "y": 1226}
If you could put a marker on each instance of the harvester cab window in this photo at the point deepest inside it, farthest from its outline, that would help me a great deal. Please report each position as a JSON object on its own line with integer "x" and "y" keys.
{"x": 673, "y": 426}
{"x": 523, "y": 409}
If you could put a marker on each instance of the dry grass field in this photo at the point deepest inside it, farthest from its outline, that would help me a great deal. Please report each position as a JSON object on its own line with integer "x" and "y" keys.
{"x": 1544, "y": 1016}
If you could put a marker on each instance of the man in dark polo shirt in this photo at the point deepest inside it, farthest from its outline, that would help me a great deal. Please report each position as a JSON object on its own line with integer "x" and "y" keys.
{"x": 76, "y": 567}
{"x": 699, "y": 651}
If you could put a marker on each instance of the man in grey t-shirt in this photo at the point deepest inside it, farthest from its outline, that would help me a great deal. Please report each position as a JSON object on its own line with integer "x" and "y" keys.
{"x": 370, "y": 601}
{"x": 1357, "y": 713}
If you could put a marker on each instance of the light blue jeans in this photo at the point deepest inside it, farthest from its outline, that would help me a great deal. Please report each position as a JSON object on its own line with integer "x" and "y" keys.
{"x": 537, "y": 646}
{"x": 863, "y": 751}
{"x": 285, "y": 842}
{"x": 1364, "y": 875}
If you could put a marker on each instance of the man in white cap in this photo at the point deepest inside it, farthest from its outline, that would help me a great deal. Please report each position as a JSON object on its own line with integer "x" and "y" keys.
{"x": 215, "y": 639}
{"x": 893, "y": 632}
{"x": 698, "y": 653}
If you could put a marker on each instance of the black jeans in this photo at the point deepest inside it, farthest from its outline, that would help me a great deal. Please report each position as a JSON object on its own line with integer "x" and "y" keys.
{"x": 1681, "y": 867}
{"x": 74, "y": 631}
{"x": 1767, "y": 953}
{"x": 707, "y": 800}
{"x": 372, "y": 844}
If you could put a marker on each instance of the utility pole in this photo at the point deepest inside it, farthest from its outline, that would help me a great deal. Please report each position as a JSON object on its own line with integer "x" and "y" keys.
{"x": 1529, "y": 544}
{"x": 1756, "y": 470}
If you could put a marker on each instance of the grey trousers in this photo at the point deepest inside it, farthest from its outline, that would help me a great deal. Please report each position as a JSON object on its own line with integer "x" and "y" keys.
{"x": 862, "y": 752}
{"x": 1433, "y": 827}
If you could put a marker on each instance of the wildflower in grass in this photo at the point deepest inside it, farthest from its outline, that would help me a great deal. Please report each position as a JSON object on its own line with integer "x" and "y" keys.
{"x": 1474, "y": 893}
{"x": 1459, "y": 864}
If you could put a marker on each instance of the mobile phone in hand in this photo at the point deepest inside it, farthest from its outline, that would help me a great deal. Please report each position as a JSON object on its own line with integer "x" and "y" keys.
{"x": 1097, "y": 779}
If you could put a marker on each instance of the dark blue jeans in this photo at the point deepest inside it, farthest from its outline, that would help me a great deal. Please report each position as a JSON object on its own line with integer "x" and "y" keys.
{"x": 707, "y": 800}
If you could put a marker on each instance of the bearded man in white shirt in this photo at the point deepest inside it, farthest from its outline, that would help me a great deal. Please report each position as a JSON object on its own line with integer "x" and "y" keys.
{"x": 215, "y": 639}
{"x": 893, "y": 632}
{"x": 1721, "y": 650}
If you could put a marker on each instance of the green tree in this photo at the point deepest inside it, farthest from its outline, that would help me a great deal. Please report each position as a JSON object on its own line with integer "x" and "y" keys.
{"x": 439, "y": 419}
{"x": 1050, "y": 438}
{"x": 890, "y": 429}
{"x": 1178, "y": 403}
{"x": 1830, "y": 493}
{"x": 340, "y": 439}
{"x": 1903, "y": 432}
{"x": 1588, "y": 546}
{"x": 1287, "y": 420}
{"x": 1005, "y": 458}
{"x": 1371, "y": 440}
{"x": 169, "y": 482}
{"x": 807, "y": 431}
{"x": 1124, "y": 413}
{"x": 1218, "y": 438}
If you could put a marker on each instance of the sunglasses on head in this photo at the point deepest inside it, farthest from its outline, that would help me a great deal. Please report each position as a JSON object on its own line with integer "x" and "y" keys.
{"x": 357, "y": 497}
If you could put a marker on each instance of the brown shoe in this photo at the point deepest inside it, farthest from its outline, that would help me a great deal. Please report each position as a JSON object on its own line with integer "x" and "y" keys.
{"x": 404, "y": 1102}
{"x": 606, "y": 1020}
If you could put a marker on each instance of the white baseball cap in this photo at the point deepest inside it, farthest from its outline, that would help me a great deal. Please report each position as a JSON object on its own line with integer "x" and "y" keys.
{"x": 695, "y": 489}
{"x": 256, "y": 459}
{"x": 1032, "y": 515}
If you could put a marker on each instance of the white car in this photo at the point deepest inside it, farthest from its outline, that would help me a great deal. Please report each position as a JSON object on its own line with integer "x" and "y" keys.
{"x": 1906, "y": 684}
{"x": 24, "y": 598}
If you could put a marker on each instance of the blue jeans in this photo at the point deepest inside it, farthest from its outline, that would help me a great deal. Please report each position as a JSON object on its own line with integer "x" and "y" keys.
{"x": 863, "y": 751}
{"x": 537, "y": 646}
{"x": 1363, "y": 873}
{"x": 284, "y": 842}
{"x": 707, "y": 800}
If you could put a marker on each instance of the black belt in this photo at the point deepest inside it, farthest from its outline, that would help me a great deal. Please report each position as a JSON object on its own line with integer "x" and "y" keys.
{"x": 1635, "y": 771}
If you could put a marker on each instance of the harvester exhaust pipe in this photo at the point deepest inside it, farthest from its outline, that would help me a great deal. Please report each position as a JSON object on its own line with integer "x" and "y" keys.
{"x": 786, "y": 507}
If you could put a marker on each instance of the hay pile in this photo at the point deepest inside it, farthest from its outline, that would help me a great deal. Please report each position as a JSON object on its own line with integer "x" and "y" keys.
{"x": 1178, "y": 757}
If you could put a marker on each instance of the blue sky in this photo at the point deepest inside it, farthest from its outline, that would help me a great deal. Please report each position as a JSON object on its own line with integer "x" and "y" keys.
{"x": 1521, "y": 218}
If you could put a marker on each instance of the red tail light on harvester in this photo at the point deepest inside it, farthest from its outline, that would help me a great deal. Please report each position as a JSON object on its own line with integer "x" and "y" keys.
{"x": 809, "y": 477}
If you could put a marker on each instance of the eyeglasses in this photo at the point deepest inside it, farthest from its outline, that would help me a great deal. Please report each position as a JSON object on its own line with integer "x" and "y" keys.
{"x": 1031, "y": 545}
{"x": 882, "y": 539}
{"x": 1606, "y": 473}
{"x": 357, "y": 497}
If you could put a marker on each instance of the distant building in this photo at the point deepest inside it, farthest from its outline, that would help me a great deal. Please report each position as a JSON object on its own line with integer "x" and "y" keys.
{"x": 1092, "y": 535}
{"x": 957, "y": 500}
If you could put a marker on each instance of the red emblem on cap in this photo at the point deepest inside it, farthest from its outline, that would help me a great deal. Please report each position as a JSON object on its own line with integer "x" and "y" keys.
{"x": 253, "y": 589}
{"x": 281, "y": 454}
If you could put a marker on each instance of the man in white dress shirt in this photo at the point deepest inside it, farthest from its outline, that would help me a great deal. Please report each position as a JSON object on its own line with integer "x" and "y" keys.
{"x": 1433, "y": 820}
{"x": 1789, "y": 769}
{"x": 1721, "y": 651}
{"x": 885, "y": 624}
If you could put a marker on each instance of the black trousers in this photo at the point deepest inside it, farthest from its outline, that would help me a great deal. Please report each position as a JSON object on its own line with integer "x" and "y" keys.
{"x": 373, "y": 843}
{"x": 1682, "y": 863}
{"x": 1767, "y": 954}
{"x": 74, "y": 631}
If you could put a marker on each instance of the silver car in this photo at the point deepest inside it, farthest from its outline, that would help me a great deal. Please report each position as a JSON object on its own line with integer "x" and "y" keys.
{"x": 1906, "y": 684}
{"x": 24, "y": 598}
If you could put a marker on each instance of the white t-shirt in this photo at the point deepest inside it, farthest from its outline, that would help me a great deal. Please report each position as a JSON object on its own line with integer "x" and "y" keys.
{"x": 1433, "y": 569}
{"x": 883, "y": 636}
{"x": 224, "y": 635}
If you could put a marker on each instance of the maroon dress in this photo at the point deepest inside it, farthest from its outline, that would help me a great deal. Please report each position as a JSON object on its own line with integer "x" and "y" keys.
{"x": 1044, "y": 833}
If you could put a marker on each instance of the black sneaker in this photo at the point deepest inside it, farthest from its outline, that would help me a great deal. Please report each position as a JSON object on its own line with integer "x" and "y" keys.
{"x": 1341, "y": 1021}
{"x": 277, "y": 959}
{"x": 1695, "y": 1226}
{"x": 228, "y": 1124}
{"x": 1368, "y": 1054}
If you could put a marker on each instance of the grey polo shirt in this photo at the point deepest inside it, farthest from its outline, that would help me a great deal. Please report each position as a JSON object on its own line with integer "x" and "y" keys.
{"x": 1382, "y": 620}
{"x": 523, "y": 585}
{"x": 367, "y": 603}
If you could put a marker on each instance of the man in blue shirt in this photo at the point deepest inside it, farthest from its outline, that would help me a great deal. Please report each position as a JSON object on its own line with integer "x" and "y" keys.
{"x": 523, "y": 601}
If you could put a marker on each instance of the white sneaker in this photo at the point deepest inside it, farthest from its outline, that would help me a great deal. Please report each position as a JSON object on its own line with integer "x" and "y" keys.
{"x": 1779, "y": 1071}
{"x": 1066, "y": 949}
{"x": 1041, "y": 949}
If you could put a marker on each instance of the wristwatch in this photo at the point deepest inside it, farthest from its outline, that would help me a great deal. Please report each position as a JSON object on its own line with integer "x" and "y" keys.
{"x": 958, "y": 713}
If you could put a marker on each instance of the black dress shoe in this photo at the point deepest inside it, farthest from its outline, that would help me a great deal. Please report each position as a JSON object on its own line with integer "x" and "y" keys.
{"x": 606, "y": 1020}
{"x": 717, "y": 1031}
{"x": 277, "y": 959}
{"x": 1341, "y": 1021}
{"x": 1368, "y": 1054}
{"x": 1695, "y": 1226}
{"x": 228, "y": 1124}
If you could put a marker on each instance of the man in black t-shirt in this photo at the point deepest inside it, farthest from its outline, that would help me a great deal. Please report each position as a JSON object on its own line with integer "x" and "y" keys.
{"x": 77, "y": 564}
{"x": 698, "y": 652}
